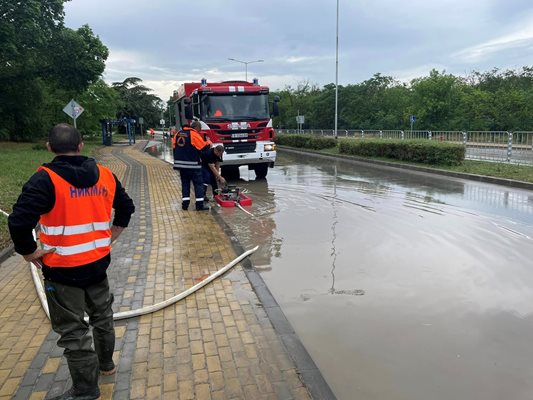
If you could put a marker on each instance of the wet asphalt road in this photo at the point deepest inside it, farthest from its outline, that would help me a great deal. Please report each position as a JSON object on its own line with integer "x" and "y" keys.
{"x": 401, "y": 285}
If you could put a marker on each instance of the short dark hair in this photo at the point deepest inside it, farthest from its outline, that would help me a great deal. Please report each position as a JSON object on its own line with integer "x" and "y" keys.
{"x": 64, "y": 138}
{"x": 196, "y": 125}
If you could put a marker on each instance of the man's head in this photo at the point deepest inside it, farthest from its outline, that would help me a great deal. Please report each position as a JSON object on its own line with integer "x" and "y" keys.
{"x": 196, "y": 125}
{"x": 218, "y": 150}
{"x": 64, "y": 139}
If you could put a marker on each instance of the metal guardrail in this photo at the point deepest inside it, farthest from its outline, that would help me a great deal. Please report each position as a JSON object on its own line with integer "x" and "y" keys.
{"x": 495, "y": 146}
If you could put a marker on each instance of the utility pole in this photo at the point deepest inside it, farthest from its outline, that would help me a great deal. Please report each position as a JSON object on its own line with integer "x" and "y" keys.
{"x": 337, "y": 73}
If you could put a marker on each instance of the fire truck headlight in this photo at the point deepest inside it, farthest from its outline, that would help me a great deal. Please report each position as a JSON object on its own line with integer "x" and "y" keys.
{"x": 270, "y": 147}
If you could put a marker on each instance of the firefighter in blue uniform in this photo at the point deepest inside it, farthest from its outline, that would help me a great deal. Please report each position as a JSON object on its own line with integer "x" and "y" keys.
{"x": 187, "y": 146}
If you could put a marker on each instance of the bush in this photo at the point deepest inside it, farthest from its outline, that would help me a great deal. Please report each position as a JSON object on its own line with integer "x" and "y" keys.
{"x": 306, "y": 141}
{"x": 420, "y": 151}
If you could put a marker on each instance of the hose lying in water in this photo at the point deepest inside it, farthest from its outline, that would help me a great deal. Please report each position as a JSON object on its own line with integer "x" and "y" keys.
{"x": 148, "y": 309}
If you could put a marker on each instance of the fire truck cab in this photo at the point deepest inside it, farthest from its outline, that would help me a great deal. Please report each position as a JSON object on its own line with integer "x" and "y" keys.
{"x": 235, "y": 114}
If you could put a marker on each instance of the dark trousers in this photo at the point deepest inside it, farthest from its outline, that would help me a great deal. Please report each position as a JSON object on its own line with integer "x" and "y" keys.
{"x": 209, "y": 178}
{"x": 187, "y": 176}
{"x": 67, "y": 305}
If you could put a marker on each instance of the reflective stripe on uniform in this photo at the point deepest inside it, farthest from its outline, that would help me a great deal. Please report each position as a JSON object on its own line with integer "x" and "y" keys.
{"x": 79, "y": 248}
{"x": 186, "y": 198}
{"x": 75, "y": 229}
{"x": 187, "y": 166}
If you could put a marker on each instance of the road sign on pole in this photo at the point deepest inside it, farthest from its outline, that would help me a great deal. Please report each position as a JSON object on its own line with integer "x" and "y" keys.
{"x": 141, "y": 122}
{"x": 73, "y": 110}
{"x": 412, "y": 118}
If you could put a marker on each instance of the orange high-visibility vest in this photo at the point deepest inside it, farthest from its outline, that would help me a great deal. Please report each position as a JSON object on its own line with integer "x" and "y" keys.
{"x": 79, "y": 225}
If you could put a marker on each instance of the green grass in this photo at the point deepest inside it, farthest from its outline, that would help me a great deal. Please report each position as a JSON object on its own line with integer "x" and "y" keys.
{"x": 19, "y": 161}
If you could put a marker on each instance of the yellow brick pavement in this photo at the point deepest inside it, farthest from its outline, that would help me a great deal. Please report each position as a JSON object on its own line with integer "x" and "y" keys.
{"x": 216, "y": 344}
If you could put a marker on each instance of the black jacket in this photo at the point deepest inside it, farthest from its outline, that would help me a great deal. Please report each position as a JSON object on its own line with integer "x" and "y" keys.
{"x": 38, "y": 197}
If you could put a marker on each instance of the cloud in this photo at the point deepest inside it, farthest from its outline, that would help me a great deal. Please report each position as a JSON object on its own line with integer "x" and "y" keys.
{"x": 522, "y": 38}
{"x": 167, "y": 41}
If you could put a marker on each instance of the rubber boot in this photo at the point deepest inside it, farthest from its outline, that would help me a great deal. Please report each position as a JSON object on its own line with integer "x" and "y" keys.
{"x": 185, "y": 204}
{"x": 104, "y": 345}
{"x": 201, "y": 207}
{"x": 83, "y": 367}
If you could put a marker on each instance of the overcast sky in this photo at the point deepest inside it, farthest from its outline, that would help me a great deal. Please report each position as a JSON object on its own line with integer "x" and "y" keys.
{"x": 165, "y": 42}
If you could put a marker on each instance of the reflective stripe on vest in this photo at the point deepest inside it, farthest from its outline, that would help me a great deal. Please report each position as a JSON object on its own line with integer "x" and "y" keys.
{"x": 79, "y": 224}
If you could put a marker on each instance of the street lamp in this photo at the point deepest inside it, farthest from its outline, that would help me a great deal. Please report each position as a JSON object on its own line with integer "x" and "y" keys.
{"x": 246, "y": 64}
{"x": 337, "y": 73}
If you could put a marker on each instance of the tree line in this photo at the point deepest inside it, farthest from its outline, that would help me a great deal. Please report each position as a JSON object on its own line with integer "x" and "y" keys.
{"x": 495, "y": 101}
{"x": 44, "y": 64}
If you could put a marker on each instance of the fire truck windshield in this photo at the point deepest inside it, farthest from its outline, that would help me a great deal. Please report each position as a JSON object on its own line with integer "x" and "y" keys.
{"x": 234, "y": 107}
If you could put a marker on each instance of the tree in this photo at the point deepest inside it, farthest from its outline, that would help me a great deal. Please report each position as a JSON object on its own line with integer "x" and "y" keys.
{"x": 136, "y": 101}
{"x": 42, "y": 65}
{"x": 435, "y": 99}
{"x": 100, "y": 101}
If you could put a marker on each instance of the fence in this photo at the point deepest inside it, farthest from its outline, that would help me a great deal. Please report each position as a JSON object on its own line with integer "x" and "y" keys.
{"x": 495, "y": 146}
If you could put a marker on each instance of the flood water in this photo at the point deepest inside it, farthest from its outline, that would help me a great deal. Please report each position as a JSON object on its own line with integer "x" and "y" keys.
{"x": 401, "y": 285}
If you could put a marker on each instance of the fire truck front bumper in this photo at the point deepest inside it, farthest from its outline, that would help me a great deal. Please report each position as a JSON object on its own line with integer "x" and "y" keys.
{"x": 250, "y": 158}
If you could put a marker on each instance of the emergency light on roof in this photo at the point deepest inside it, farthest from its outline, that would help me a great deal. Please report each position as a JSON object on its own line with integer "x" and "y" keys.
{"x": 256, "y": 82}
{"x": 204, "y": 82}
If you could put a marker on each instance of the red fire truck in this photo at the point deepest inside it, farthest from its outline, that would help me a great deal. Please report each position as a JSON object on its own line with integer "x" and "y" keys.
{"x": 236, "y": 114}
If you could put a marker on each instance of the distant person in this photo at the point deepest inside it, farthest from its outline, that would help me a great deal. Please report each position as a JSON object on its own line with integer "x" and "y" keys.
{"x": 211, "y": 159}
{"x": 187, "y": 145}
{"x": 72, "y": 198}
{"x": 152, "y": 132}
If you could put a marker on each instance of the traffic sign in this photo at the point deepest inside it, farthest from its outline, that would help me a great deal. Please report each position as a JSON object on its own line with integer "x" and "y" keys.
{"x": 162, "y": 122}
{"x": 73, "y": 109}
{"x": 412, "y": 118}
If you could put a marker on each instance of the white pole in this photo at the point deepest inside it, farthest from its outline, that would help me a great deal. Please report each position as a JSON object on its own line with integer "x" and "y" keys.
{"x": 337, "y": 73}
{"x": 73, "y": 115}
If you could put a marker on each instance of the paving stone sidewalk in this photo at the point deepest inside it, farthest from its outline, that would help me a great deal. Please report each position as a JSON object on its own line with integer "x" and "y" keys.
{"x": 218, "y": 343}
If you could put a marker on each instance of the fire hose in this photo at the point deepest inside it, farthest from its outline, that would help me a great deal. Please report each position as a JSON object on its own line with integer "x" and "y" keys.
{"x": 35, "y": 265}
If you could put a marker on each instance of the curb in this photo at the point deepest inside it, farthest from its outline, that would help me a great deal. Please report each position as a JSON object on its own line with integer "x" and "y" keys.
{"x": 474, "y": 177}
{"x": 6, "y": 253}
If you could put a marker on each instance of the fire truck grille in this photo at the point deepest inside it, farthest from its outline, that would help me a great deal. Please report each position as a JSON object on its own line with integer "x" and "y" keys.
{"x": 232, "y": 148}
{"x": 239, "y": 134}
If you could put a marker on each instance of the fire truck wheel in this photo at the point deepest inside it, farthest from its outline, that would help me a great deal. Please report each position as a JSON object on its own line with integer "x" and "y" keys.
{"x": 230, "y": 172}
{"x": 261, "y": 170}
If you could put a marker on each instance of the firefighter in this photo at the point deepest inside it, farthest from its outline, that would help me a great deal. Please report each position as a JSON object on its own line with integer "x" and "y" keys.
{"x": 187, "y": 145}
{"x": 211, "y": 159}
{"x": 75, "y": 252}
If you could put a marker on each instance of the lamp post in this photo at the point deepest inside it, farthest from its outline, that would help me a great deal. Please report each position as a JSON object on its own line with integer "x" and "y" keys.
{"x": 246, "y": 64}
{"x": 337, "y": 73}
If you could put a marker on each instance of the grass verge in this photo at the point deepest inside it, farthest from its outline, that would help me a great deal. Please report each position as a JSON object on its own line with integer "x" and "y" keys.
{"x": 19, "y": 161}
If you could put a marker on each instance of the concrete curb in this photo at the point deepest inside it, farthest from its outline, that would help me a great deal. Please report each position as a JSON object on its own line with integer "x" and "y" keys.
{"x": 479, "y": 178}
{"x": 6, "y": 253}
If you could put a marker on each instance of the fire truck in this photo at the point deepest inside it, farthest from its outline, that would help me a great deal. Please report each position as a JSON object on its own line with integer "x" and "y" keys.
{"x": 235, "y": 114}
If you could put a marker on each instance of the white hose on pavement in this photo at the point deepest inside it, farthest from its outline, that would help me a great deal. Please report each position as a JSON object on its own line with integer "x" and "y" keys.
{"x": 34, "y": 265}
{"x": 148, "y": 309}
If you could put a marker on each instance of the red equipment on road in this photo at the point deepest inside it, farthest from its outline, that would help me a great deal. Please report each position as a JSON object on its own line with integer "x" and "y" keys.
{"x": 232, "y": 195}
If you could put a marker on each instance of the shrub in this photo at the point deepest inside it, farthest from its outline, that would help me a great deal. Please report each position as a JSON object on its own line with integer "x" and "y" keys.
{"x": 420, "y": 151}
{"x": 306, "y": 141}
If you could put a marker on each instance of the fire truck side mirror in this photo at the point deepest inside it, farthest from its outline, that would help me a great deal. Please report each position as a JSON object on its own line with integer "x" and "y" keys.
{"x": 275, "y": 106}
